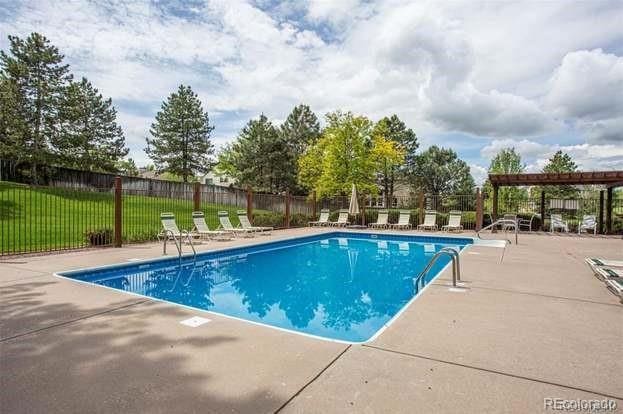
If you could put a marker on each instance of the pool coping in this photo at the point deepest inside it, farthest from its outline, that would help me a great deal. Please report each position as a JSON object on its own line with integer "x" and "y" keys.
{"x": 64, "y": 274}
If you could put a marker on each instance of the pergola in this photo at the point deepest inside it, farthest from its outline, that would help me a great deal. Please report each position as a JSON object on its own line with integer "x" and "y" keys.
{"x": 610, "y": 179}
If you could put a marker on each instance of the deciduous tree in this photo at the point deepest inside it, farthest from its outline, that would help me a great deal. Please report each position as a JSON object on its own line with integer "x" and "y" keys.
{"x": 440, "y": 171}
{"x": 560, "y": 163}
{"x": 507, "y": 161}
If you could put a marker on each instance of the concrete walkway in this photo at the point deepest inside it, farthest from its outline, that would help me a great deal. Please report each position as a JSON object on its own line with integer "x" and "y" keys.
{"x": 538, "y": 325}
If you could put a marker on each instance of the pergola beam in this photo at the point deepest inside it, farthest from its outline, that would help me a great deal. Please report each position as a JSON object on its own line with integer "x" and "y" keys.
{"x": 609, "y": 178}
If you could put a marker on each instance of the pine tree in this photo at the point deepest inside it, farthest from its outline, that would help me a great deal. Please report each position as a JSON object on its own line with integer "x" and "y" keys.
{"x": 12, "y": 126}
{"x": 259, "y": 157}
{"x": 300, "y": 130}
{"x": 181, "y": 136}
{"x": 393, "y": 129}
{"x": 89, "y": 137}
{"x": 35, "y": 68}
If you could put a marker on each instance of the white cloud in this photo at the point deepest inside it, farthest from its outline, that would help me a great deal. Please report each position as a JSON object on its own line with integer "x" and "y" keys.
{"x": 588, "y": 157}
{"x": 588, "y": 85}
{"x": 479, "y": 173}
{"x": 502, "y": 71}
{"x": 525, "y": 148}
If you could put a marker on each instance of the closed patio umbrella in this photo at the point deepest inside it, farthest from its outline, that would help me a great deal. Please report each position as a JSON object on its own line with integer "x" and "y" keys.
{"x": 354, "y": 204}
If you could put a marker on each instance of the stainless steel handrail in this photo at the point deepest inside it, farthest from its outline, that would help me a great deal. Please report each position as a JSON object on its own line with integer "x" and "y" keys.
{"x": 178, "y": 245}
{"x": 456, "y": 267}
{"x": 506, "y": 223}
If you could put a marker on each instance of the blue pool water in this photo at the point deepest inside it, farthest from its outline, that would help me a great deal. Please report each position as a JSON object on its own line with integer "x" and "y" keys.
{"x": 341, "y": 286}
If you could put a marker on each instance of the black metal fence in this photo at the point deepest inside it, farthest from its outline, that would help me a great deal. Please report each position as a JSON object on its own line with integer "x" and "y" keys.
{"x": 77, "y": 210}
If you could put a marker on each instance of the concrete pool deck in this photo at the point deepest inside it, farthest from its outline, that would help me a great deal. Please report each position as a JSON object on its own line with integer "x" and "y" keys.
{"x": 538, "y": 325}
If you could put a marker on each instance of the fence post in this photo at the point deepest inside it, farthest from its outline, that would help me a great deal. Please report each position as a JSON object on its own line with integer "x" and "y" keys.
{"x": 363, "y": 211}
{"x": 421, "y": 207}
{"x": 479, "y": 212}
{"x": 600, "y": 228}
{"x": 287, "y": 209}
{"x": 118, "y": 212}
{"x": 542, "y": 210}
{"x": 314, "y": 204}
{"x": 197, "y": 197}
{"x": 249, "y": 204}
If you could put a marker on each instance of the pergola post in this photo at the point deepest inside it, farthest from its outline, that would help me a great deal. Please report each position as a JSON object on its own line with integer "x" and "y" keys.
{"x": 600, "y": 224}
{"x": 494, "y": 213}
{"x": 542, "y": 210}
{"x": 609, "y": 211}
{"x": 479, "y": 212}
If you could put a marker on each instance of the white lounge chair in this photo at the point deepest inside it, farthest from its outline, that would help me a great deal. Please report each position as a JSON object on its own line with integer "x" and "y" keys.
{"x": 170, "y": 229}
{"x": 556, "y": 222}
{"x": 605, "y": 273}
{"x": 202, "y": 229}
{"x": 615, "y": 285}
{"x": 342, "y": 219}
{"x": 454, "y": 222}
{"x": 430, "y": 221}
{"x": 226, "y": 225}
{"x": 589, "y": 222}
{"x": 323, "y": 220}
{"x": 246, "y": 224}
{"x": 381, "y": 220}
{"x": 404, "y": 219}
{"x": 594, "y": 262}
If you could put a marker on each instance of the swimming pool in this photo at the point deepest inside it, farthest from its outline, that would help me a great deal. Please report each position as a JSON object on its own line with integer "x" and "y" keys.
{"x": 340, "y": 285}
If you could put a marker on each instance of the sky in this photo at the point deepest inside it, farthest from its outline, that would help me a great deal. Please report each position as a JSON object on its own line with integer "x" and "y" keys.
{"x": 473, "y": 76}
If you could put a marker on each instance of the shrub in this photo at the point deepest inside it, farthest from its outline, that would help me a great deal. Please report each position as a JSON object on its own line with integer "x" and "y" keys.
{"x": 99, "y": 237}
{"x": 270, "y": 219}
{"x": 299, "y": 220}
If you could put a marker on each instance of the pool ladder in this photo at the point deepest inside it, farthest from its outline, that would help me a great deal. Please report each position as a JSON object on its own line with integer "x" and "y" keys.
{"x": 178, "y": 243}
{"x": 506, "y": 224}
{"x": 419, "y": 281}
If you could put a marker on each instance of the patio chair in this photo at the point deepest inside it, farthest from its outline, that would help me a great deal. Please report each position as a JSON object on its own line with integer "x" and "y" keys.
{"x": 170, "y": 229}
{"x": 404, "y": 219}
{"x": 454, "y": 222}
{"x": 589, "y": 222}
{"x": 522, "y": 223}
{"x": 223, "y": 217}
{"x": 246, "y": 224}
{"x": 342, "y": 219}
{"x": 323, "y": 220}
{"x": 381, "y": 220}
{"x": 430, "y": 221}
{"x": 556, "y": 222}
{"x": 201, "y": 228}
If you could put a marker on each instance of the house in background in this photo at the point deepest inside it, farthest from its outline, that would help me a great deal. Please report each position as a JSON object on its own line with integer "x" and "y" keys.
{"x": 218, "y": 179}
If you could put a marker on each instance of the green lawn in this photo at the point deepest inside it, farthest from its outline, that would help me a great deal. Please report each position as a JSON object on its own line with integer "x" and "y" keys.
{"x": 38, "y": 219}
